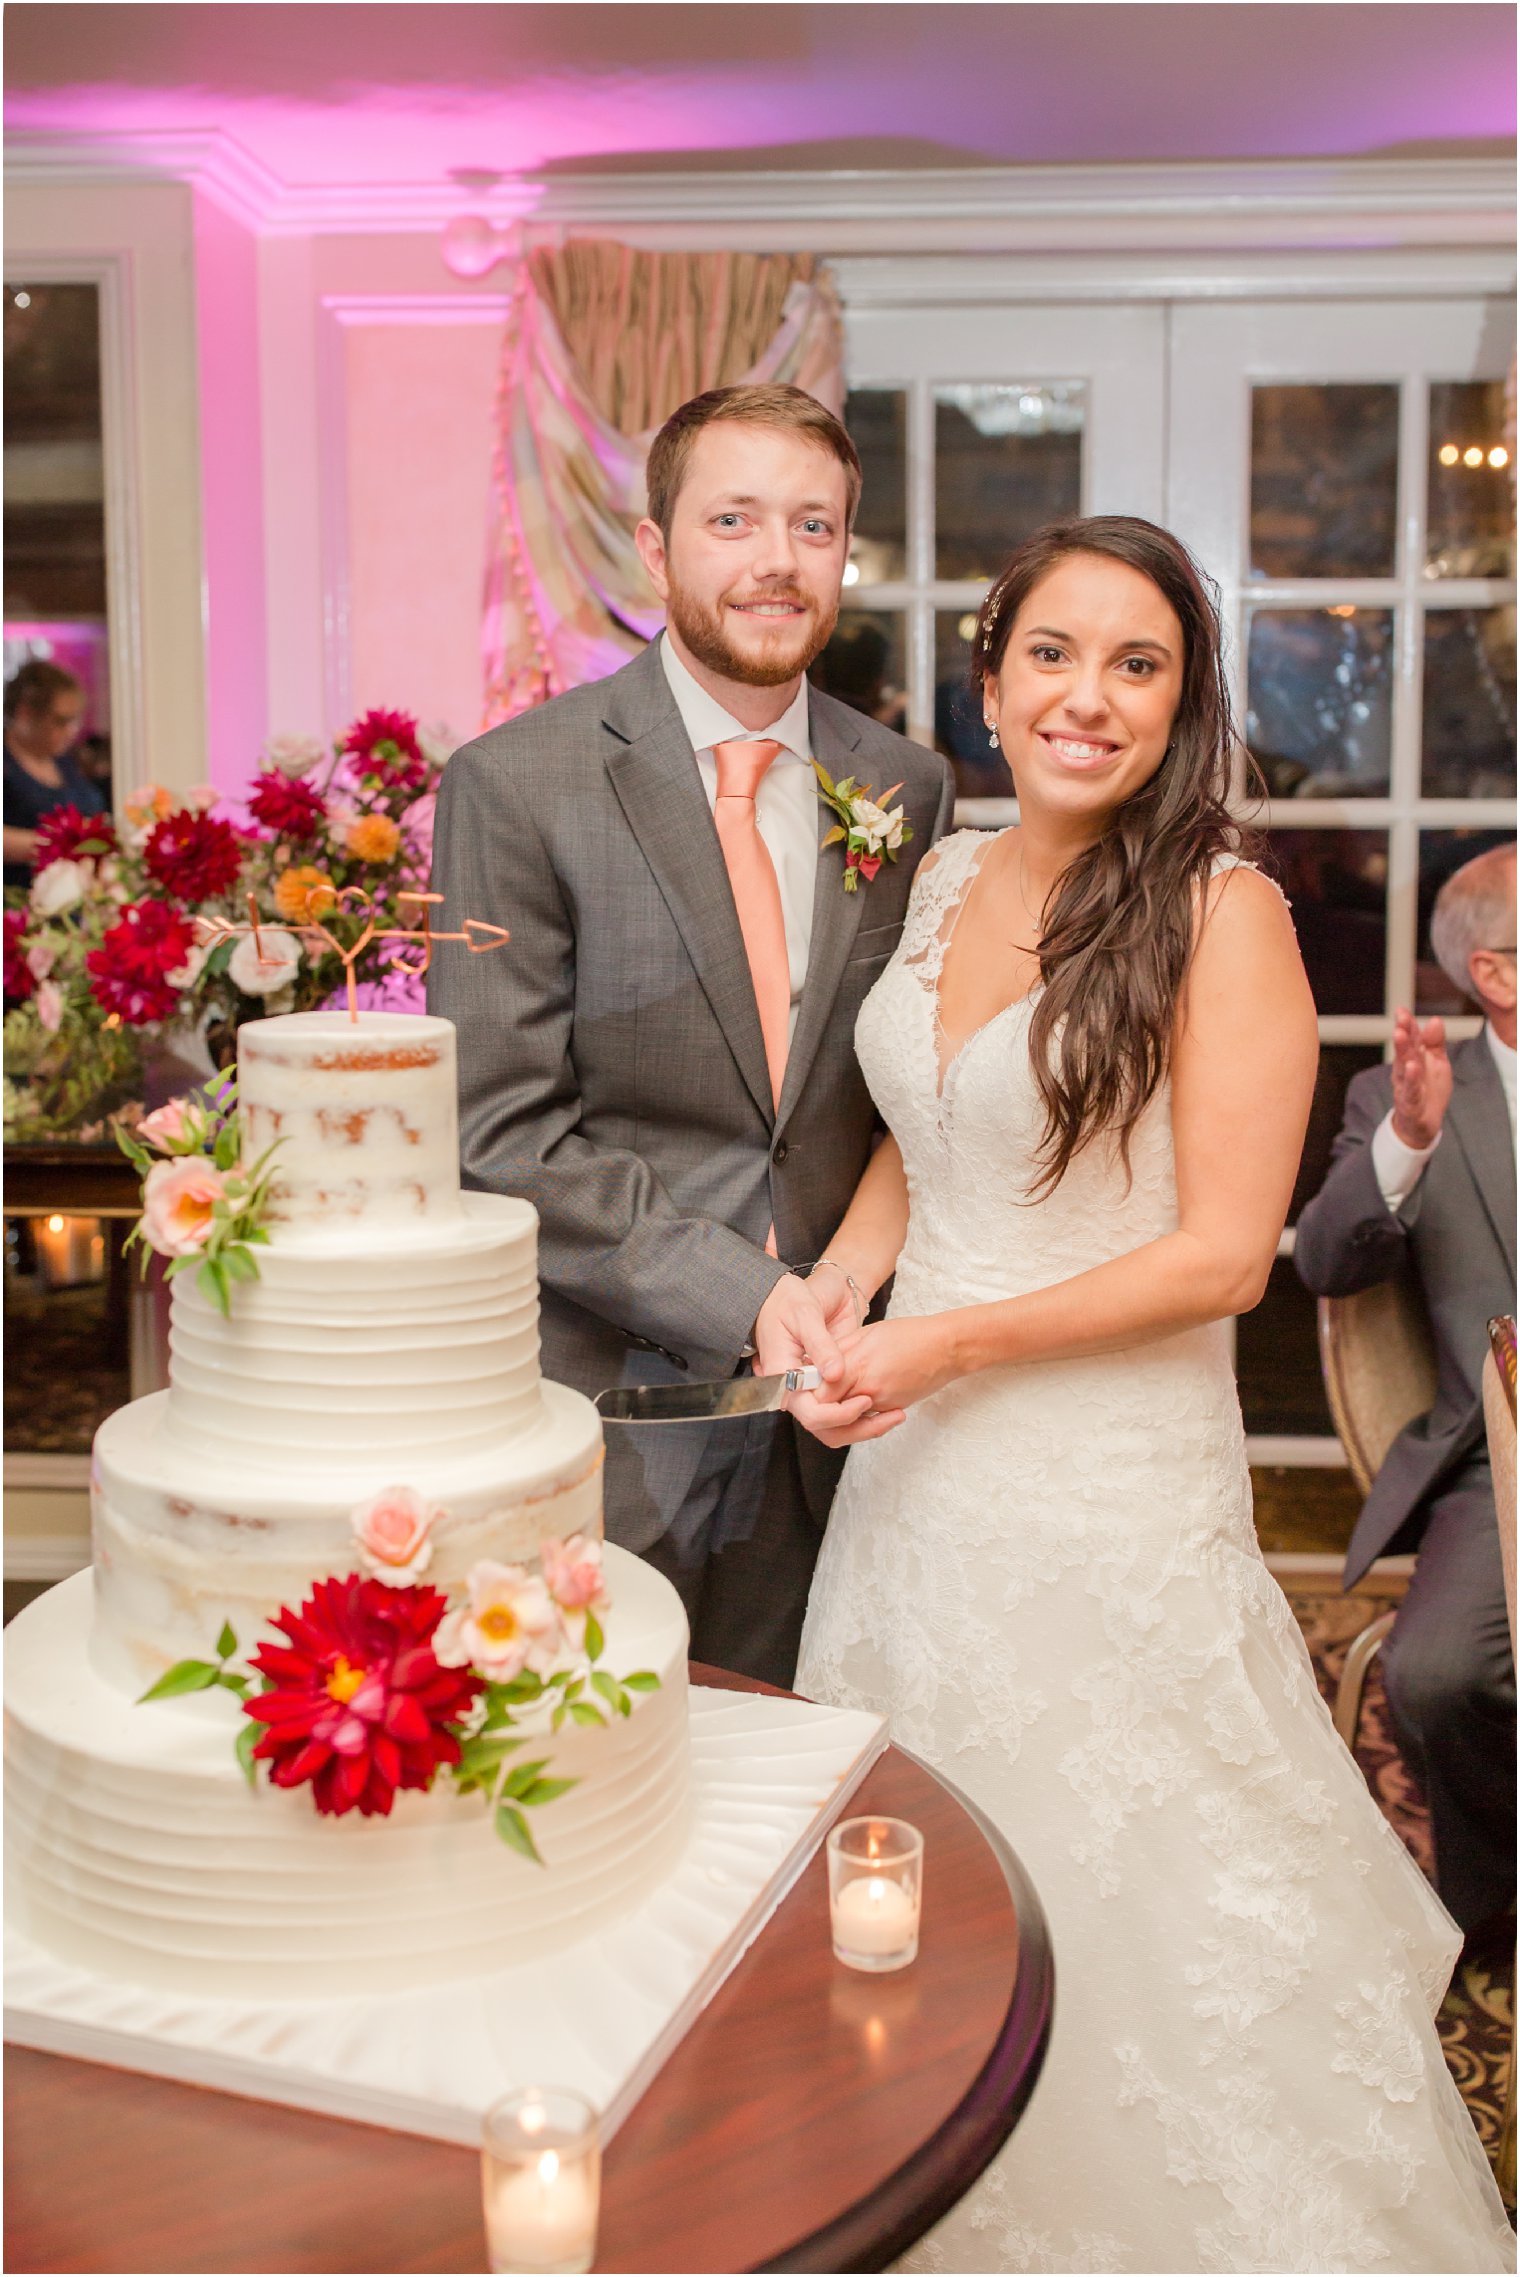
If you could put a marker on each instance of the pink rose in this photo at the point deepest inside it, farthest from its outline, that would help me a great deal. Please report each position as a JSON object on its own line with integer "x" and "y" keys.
{"x": 179, "y": 1199}
{"x": 511, "y": 1623}
{"x": 168, "y": 1128}
{"x": 49, "y": 1003}
{"x": 392, "y": 1532}
{"x": 574, "y": 1579}
{"x": 41, "y": 958}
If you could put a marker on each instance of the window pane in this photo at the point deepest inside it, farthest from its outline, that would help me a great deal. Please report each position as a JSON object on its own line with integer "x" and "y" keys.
{"x": 865, "y": 666}
{"x": 877, "y": 418}
{"x": 1006, "y": 461}
{"x": 1442, "y": 852}
{"x": 1337, "y": 1064}
{"x": 1470, "y": 504}
{"x": 1277, "y": 1360}
{"x": 1319, "y": 700}
{"x": 1324, "y": 481}
{"x": 1336, "y": 882}
{"x": 1468, "y": 735}
{"x": 980, "y": 772}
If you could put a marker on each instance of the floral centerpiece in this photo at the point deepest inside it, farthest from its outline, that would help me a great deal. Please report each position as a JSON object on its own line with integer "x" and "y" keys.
{"x": 112, "y": 949}
{"x": 378, "y": 1683}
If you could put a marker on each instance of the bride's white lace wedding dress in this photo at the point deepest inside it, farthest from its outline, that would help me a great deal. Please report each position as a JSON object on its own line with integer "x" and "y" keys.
{"x": 1048, "y": 1577}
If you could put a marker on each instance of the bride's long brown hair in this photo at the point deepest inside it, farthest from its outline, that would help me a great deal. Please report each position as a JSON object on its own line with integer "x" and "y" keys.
{"x": 1120, "y": 923}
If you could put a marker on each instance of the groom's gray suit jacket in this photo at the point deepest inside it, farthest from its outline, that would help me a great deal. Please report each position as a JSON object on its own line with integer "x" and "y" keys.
{"x": 611, "y": 1066}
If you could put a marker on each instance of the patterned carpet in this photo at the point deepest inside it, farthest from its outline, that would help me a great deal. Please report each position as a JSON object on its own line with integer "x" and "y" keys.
{"x": 1476, "y": 2022}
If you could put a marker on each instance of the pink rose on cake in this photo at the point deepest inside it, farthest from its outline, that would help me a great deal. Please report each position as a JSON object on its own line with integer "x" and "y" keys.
{"x": 394, "y": 1534}
{"x": 574, "y": 1579}
{"x": 168, "y": 1127}
{"x": 179, "y": 1205}
{"x": 510, "y": 1623}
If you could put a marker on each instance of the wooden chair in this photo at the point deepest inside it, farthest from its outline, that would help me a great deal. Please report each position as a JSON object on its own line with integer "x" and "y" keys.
{"x": 1379, "y": 1364}
{"x": 1499, "y": 1417}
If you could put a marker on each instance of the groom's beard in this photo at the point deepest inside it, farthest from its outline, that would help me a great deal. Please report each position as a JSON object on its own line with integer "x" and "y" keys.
{"x": 788, "y": 648}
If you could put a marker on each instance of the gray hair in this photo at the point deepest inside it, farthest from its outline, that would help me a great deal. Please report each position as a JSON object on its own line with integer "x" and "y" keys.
{"x": 1475, "y": 909}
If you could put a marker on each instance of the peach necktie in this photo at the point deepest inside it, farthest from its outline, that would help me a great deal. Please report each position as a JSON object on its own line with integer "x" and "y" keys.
{"x": 757, "y": 896}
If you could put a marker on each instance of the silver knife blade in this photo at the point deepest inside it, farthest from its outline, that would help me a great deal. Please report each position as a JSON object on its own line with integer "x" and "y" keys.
{"x": 704, "y": 1403}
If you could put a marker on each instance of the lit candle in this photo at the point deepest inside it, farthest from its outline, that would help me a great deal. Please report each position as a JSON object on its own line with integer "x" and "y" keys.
{"x": 541, "y": 2183}
{"x": 875, "y": 1884}
{"x": 874, "y": 1916}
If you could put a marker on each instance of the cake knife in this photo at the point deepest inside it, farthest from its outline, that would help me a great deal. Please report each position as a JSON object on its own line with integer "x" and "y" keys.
{"x": 704, "y": 1403}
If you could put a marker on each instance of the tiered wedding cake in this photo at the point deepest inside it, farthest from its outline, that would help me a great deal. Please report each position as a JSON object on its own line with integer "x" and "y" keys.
{"x": 389, "y": 1340}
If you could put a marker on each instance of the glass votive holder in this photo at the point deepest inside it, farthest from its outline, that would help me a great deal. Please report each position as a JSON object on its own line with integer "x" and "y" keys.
{"x": 876, "y": 1875}
{"x": 541, "y": 2180}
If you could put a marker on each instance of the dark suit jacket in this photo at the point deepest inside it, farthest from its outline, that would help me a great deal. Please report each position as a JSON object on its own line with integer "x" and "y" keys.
{"x": 612, "y": 1068}
{"x": 1456, "y": 1233}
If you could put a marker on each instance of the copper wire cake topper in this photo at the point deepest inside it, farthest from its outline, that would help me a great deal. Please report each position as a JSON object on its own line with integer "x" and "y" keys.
{"x": 477, "y": 935}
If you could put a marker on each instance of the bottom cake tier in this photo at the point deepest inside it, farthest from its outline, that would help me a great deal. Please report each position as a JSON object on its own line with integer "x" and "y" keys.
{"x": 136, "y": 1849}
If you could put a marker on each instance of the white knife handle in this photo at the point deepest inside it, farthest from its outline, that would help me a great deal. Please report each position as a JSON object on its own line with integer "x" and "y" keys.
{"x": 803, "y": 1379}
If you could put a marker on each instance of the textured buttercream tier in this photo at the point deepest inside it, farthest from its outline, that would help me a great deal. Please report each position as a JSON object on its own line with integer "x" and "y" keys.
{"x": 182, "y": 1545}
{"x": 364, "y": 1346}
{"x": 366, "y": 1113}
{"x": 135, "y": 1848}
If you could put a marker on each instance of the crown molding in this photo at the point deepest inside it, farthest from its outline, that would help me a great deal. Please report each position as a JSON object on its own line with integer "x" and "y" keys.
{"x": 1370, "y": 204}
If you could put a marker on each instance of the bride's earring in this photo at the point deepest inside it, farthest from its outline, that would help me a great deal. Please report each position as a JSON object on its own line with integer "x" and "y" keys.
{"x": 992, "y": 739}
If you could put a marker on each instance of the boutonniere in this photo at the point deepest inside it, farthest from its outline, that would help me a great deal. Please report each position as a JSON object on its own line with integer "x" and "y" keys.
{"x": 870, "y": 832}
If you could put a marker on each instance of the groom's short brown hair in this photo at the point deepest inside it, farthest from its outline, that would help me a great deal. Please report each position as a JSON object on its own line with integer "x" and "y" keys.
{"x": 789, "y": 408}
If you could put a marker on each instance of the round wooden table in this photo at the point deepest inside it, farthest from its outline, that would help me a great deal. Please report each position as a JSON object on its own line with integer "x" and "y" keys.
{"x": 812, "y": 2119}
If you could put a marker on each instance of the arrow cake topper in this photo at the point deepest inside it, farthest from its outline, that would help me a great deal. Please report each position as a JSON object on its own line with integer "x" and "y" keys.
{"x": 479, "y": 937}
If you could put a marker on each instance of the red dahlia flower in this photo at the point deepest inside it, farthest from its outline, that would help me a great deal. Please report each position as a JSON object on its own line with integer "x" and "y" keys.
{"x": 196, "y": 856}
{"x": 385, "y": 744}
{"x": 359, "y": 1706}
{"x": 129, "y": 972}
{"x": 66, "y": 835}
{"x": 287, "y": 803}
{"x": 20, "y": 979}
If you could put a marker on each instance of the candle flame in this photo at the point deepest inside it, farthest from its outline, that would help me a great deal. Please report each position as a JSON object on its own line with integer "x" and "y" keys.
{"x": 55, "y": 1225}
{"x": 548, "y": 2168}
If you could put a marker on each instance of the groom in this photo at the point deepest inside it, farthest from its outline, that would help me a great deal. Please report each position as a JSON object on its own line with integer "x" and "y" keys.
{"x": 662, "y": 1062}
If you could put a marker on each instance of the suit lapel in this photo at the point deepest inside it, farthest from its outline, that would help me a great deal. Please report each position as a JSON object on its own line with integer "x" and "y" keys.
{"x": 836, "y": 914}
{"x": 1480, "y": 1123}
{"x": 659, "y": 788}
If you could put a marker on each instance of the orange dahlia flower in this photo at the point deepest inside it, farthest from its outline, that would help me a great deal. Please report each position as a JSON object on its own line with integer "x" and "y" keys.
{"x": 373, "y": 838}
{"x": 304, "y": 893}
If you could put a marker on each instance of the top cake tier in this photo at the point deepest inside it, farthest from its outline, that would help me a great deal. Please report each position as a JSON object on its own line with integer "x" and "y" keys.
{"x": 366, "y": 1113}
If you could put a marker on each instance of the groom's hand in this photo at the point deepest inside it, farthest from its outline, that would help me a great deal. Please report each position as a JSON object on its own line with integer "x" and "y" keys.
{"x": 795, "y": 1330}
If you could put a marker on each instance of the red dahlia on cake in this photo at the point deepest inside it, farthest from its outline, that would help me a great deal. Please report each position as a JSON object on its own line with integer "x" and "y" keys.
{"x": 196, "y": 856}
{"x": 358, "y": 1704}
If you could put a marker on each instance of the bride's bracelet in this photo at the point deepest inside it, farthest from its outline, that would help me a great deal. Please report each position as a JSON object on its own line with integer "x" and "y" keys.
{"x": 861, "y": 1303}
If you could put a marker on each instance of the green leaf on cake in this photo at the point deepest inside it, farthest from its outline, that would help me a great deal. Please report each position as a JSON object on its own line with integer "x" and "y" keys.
{"x": 595, "y": 1641}
{"x": 230, "y": 1681}
{"x": 582, "y": 1712}
{"x": 247, "y": 1741}
{"x": 512, "y": 1828}
{"x": 226, "y": 1643}
{"x": 226, "y": 1151}
{"x": 642, "y": 1680}
{"x": 185, "y": 1676}
{"x": 525, "y": 1776}
{"x": 545, "y": 1791}
{"x": 610, "y": 1689}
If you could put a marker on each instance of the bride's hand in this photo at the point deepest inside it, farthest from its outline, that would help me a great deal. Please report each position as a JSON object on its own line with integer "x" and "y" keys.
{"x": 844, "y": 1414}
{"x": 899, "y": 1362}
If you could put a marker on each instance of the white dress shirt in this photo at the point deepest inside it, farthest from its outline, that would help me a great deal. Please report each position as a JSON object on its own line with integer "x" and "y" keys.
{"x": 1397, "y": 1167}
{"x": 786, "y": 804}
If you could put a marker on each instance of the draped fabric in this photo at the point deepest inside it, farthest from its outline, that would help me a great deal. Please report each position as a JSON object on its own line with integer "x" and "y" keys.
{"x": 602, "y": 343}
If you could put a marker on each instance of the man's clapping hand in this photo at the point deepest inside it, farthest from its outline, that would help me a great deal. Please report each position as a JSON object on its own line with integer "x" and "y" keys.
{"x": 1421, "y": 1079}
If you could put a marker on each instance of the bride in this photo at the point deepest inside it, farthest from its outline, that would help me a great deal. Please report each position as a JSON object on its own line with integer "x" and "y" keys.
{"x": 1094, "y": 1050}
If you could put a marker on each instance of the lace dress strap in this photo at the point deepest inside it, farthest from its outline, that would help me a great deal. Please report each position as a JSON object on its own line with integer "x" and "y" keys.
{"x": 1227, "y": 862}
{"x": 939, "y": 887}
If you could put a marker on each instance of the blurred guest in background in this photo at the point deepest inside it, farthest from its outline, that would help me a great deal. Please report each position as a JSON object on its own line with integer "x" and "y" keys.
{"x": 44, "y": 712}
{"x": 1423, "y": 1176}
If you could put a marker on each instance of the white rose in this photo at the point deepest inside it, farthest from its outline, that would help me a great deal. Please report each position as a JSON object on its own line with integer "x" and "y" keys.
{"x": 62, "y": 885}
{"x": 187, "y": 974}
{"x": 871, "y": 823}
{"x": 259, "y": 974}
{"x": 295, "y": 754}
